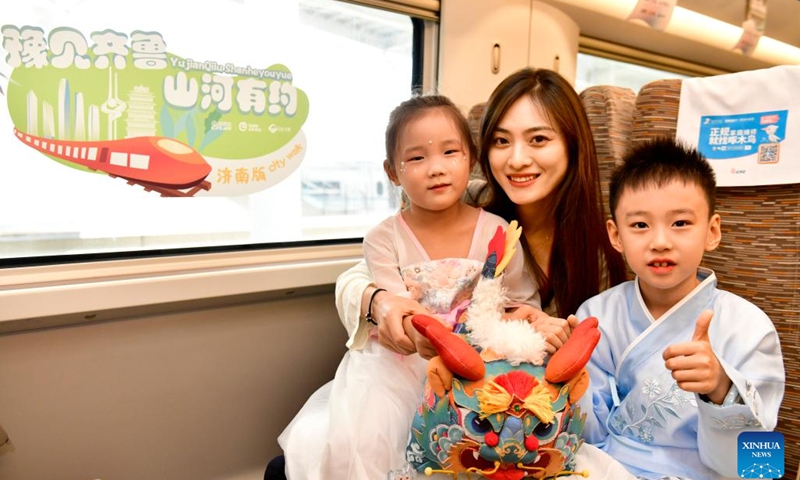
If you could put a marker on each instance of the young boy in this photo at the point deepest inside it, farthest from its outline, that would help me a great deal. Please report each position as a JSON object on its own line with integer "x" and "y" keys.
{"x": 682, "y": 367}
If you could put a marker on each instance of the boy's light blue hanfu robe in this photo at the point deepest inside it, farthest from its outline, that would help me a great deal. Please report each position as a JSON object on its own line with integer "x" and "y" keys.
{"x": 641, "y": 417}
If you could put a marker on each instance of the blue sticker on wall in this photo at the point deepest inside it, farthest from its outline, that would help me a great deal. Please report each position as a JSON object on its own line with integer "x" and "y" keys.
{"x": 724, "y": 137}
{"x": 760, "y": 455}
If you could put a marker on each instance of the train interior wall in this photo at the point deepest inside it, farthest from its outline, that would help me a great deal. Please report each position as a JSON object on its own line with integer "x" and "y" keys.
{"x": 198, "y": 395}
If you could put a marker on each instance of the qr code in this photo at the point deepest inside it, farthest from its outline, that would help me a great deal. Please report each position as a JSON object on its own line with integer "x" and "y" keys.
{"x": 769, "y": 153}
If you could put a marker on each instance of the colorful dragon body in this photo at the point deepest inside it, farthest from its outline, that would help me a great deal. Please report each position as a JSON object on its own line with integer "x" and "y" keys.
{"x": 500, "y": 410}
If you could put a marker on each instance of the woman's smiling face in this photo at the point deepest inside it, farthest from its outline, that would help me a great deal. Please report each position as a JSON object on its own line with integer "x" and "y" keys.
{"x": 528, "y": 155}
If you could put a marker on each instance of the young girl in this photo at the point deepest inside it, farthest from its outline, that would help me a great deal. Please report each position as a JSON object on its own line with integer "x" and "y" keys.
{"x": 356, "y": 427}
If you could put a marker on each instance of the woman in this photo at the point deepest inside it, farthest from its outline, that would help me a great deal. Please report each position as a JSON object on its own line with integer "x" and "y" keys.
{"x": 537, "y": 152}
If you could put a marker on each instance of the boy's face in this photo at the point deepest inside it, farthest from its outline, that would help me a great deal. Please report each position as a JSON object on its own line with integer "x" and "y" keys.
{"x": 663, "y": 233}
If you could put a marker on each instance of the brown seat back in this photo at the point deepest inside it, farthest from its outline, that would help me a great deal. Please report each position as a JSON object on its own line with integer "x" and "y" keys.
{"x": 610, "y": 113}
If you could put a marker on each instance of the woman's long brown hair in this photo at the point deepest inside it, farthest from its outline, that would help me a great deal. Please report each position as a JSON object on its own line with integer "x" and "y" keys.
{"x": 580, "y": 241}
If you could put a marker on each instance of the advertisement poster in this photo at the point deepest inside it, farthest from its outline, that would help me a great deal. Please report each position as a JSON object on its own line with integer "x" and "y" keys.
{"x": 747, "y": 124}
{"x": 159, "y": 125}
{"x": 122, "y": 104}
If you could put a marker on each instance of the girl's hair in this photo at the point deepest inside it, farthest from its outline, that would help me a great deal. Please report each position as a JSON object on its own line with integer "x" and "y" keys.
{"x": 580, "y": 240}
{"x": 412, "y": 109}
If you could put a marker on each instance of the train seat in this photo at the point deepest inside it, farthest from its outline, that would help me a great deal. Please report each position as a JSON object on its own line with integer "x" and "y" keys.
{"x": 610, "y": 113}
{"x": 760, "y": 251}
{"x": 474, "y": 117}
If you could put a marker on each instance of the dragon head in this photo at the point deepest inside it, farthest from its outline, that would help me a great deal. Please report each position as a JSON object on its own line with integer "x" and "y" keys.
{"x": 508, "y": 415}
{"x": 512, "y": 423}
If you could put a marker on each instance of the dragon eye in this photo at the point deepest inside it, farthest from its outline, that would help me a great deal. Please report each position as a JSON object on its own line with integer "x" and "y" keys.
{"x": 480, "y": 426}
{"x": 543, "y": 429}
{"x": 546, "y": 432}
{"x": 476, "y": 426}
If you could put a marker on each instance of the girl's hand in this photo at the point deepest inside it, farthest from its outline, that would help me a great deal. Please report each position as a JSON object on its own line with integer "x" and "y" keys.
{"x": 394, "y": 333}
{"x": 555, "y": 331}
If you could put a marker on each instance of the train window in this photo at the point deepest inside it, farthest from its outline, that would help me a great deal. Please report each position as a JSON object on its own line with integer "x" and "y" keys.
{"x": 139, "y": 161}
{"x": 354, "y": 62}
{"x": 118, "y": 158}
{"x": 596, "y": 70}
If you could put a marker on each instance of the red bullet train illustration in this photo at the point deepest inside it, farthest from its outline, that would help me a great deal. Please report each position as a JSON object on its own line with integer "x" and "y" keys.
{"x": 157, "y": 163}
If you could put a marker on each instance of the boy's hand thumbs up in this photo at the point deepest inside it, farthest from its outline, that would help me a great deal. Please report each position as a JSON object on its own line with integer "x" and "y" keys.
{"x": 701, "y": 327}
{"x": 694, "y": 365}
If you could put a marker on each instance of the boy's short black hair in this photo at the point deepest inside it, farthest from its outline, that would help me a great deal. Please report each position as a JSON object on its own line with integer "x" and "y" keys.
{"x": 660, "y": 161}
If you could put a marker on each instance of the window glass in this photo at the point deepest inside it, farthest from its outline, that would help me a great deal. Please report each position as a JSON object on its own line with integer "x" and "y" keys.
{"x": 83, "y": 115}
{"x": 593, "y": 70}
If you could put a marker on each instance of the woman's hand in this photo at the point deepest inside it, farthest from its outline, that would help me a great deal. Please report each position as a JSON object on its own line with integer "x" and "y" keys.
{"x": 422, "y": 344}
{"x": 393, "y": 314}
{"x": 555, "y": 331}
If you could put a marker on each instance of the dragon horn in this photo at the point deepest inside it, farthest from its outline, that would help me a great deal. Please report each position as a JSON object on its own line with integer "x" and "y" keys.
{"x": 573, "y": 356}
{"x": 512, "y": 236}
{"x": 458, "y": 355}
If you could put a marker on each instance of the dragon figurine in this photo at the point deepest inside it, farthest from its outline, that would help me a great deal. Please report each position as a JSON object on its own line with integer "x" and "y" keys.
{"x": 495, "y": 405}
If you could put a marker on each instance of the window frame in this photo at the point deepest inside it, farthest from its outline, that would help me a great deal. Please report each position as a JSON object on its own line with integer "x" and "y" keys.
{"x": 621, "y": 53}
